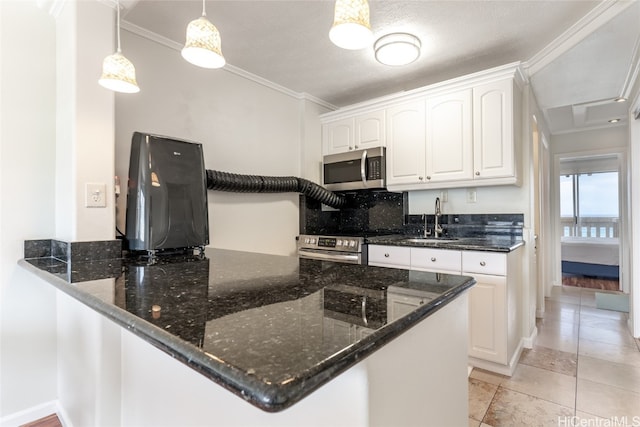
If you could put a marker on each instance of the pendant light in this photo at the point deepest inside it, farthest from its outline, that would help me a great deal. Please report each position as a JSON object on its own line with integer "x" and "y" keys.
{"x": 203, "y": 46}
{"x": 351, "y": 29}
{"x": 118, "y": 73}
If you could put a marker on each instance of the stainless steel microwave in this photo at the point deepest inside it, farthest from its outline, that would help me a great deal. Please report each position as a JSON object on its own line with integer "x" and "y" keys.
{"x": 355, "y": 170}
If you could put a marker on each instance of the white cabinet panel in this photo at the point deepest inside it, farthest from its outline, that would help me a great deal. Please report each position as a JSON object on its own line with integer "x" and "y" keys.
{"x": 484, "y": 263}
{"x": 437, "y": 260}
{"x": 493, "y": 126}
{"x": 488, "y": 319}
{"x": 449, "y": 140}
{"x": 406, "y": 143}
{"x": 339, "y": 136}
{"x": 390, "y": 256}
{"x": 370, "y": 130}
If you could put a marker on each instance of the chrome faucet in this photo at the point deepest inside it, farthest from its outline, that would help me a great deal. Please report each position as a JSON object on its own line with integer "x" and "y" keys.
{"x": 437, "y": 229}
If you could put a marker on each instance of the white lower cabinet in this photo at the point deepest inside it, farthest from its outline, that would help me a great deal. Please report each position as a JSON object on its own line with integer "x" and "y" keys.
{"x": 390, "y": 256}
{"x": 494, "y": 323}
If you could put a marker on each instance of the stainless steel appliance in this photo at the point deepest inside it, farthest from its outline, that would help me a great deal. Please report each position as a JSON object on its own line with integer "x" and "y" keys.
{"x": 355, "y": 170}
{"x": 351, "y": 250}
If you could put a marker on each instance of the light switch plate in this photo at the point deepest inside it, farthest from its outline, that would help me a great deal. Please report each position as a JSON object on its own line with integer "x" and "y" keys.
{"x": 95, "y": 195}
{"x": 471, "y": 195}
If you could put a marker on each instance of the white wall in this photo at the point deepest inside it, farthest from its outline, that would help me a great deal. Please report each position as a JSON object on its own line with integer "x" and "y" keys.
{"x": 245, "y": 127}
{"x": 84, "y": 143}
{"x": 634, "y": 211}
{"x": 27, "y": 153}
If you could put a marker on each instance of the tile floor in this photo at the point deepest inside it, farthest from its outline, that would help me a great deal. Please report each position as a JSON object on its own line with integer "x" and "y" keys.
{"x": 584, "y": 370}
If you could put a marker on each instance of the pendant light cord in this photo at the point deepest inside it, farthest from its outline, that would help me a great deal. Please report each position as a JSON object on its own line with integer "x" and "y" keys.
{"x": 118, "y": 22}
{"x": 204, "y": 12}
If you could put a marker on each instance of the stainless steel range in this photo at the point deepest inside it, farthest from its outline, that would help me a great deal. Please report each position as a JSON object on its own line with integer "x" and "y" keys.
{"x": 347, "y": 249}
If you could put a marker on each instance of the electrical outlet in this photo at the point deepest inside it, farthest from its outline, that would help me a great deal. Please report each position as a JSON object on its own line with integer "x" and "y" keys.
{"x": 95, "y": 195}
{"x": 471, "y": 195}
{"x": 444, "y": 196}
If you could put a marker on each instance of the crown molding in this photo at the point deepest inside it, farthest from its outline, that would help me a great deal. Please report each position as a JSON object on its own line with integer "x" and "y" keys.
{"x": 598, "y": 16}
{"x": 155, "y": 37}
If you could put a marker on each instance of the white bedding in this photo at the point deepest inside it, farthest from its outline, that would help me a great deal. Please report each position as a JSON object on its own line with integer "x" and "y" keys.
{"x": 591, "y": 250}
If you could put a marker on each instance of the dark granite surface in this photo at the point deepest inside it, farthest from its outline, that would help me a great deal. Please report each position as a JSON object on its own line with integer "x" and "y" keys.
{"x": 487, "y": 243}
{"x": 253, "y": 323}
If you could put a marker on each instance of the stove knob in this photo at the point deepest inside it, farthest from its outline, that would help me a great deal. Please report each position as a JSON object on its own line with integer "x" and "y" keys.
{"x": 313, "y": 240}
{"x": 339, "y": 242}
{"x": 352, "y": 243}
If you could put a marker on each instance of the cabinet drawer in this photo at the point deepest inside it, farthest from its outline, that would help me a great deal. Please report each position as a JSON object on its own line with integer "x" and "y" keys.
{"x": 484, "y": 263}
{"x": 435, "y": 260}
{"x": 390, "y": 256}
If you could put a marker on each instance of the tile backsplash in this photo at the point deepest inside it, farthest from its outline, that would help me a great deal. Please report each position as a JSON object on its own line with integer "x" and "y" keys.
{"x": 376, "y": 213}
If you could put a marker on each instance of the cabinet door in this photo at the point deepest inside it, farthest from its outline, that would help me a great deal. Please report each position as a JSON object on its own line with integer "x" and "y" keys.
{"x": 405, "y": 143}
{"x": 390, "y": 256}
{"x": 338, "y": 136}
{"x": 493, "y": 137}
{"x": 488, "y": 318}
{"x": 449, "y": 142}
{"x": 369, "y": 130}
{"x": 436, "y": 260}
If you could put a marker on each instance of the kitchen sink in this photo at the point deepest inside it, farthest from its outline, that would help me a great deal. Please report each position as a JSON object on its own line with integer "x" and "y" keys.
{"x": 430, "y": 240}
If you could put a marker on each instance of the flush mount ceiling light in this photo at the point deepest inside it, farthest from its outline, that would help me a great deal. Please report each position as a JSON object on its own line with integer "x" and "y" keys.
{"x": 118, "y": 73}
{"x": 614, "y": 120}
{"x": 351, "y": 29}
{"x": 620, "y": 99}
{"x": 203, "y": 46}
{"x": 397, "y": 49}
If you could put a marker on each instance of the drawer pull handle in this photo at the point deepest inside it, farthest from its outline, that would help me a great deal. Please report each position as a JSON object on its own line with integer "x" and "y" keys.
{"x": 433, "y": 259}
{"x": 386, "y": 255}
{"x": 477, "y": 173}
{"x": 482, "y": 263}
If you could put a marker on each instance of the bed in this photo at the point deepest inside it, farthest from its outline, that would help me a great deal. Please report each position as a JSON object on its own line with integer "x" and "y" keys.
{"x": 589, "y": 256}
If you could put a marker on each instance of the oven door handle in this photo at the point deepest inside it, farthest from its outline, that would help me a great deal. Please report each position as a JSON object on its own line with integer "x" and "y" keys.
{"x": 363, "y": 168}
{"x": 351, "y": 258}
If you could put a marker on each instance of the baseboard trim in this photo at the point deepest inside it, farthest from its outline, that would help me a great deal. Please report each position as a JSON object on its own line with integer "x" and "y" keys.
{"x": 31, "y": 414}
{"x": 499, "y": 368}
{"x": 527, "y": 342}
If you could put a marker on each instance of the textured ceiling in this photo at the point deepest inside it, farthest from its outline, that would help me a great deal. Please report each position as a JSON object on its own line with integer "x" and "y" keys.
{"x": 287, "y": 42}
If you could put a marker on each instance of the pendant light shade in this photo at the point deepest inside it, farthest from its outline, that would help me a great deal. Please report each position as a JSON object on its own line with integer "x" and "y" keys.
{"x": 351, "y": 29}
{"x": 203, "y": 46}
{"x": 118, "y": 73}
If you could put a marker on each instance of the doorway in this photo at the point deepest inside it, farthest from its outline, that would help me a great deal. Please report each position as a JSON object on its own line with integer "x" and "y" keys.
{"x": 589, "y": 189}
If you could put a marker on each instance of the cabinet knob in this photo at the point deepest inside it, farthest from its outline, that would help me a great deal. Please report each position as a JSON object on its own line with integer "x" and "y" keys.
{"x": 482, "y": 263}
{"x": 477, "y": 173}
{"x": 356, "y": 147}
{"x": 433, "y": 259}
{"x": 428, "y": 177}
{"x": 350, "y": 148}
{"x": 420, "y": 178}
{"x": 386, "y": 255}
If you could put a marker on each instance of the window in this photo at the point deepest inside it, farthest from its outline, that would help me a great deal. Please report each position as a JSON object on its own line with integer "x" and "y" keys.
{"x": 589, "y": 204}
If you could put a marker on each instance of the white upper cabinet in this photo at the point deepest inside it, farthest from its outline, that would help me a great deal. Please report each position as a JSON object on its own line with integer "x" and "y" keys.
{"x": 493, "y": 134}
{"x": 460, "y": 133}
{"x": 370, "y": 130}
{"x": 449, "y": 149}
{"x": 406, "y": 143}
{"x": 354, "y": 133}
{"x": 339, "y": 136}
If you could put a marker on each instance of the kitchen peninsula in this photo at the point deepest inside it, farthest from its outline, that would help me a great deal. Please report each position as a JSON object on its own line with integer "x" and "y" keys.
{"x": 306, "y": 341}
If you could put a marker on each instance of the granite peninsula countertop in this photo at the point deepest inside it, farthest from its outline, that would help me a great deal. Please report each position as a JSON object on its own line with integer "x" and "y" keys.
{"x": 485, "y": 243}
{"x": 255, "y": 324}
